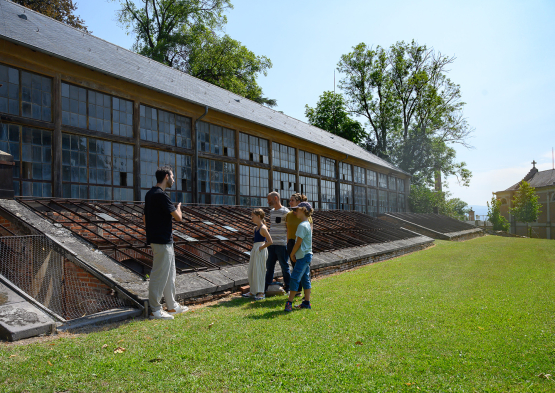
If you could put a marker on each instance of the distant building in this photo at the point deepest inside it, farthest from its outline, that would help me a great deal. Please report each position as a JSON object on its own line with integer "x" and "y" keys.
{"x": 544, "y": 183}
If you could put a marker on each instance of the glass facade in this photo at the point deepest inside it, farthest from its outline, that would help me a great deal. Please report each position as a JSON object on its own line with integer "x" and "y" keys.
{"x": 254, "y": 185}
{"x": 216, "y": 182}
{"x": 283, "y": 156}
{"x": 9, "y": 91}
{"x": 360, "y": 199}
{"x": 327, "y": 167}
{"x": 32, "y": 152}
{"x": 284, "y": 183}
{"x": 346, "y": 195}
{"x": 308, "y": 162}
{"x": 309, "y": 187}
{"x": 252, "y": 148}
{"x": 328, "y": 195}
{"x": 99, "y": 166}
{"x": 345, "y": 171}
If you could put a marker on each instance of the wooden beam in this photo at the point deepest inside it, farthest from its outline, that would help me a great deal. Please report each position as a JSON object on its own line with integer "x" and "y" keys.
{"x": 57, "y": 136}
{"x": 137, "y": 151}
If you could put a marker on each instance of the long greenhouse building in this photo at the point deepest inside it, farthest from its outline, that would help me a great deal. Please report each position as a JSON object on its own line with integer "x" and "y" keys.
{"x": 86, "y": 119}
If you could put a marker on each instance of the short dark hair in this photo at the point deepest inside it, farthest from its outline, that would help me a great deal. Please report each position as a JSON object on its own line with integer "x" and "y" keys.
{"x": 161, "y": 173}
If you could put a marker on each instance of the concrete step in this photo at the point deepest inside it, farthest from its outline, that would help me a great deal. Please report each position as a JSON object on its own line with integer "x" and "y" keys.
{"x": 108, "y": 316}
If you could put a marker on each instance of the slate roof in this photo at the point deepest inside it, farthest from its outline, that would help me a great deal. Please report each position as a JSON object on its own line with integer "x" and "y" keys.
{"x": 49, "y": 36}
{"x": 537, "y": 179}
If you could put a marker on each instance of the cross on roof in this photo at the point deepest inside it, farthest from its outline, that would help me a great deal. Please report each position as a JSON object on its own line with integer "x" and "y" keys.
{"x": 534, "y": 163}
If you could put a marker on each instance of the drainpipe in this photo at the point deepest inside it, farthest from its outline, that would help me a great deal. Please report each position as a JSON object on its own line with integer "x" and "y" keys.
{"x": 195, "y": 159}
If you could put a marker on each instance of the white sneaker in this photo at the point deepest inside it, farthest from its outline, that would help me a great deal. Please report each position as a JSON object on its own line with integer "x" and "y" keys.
{"x": 160, "y": 314}
{"x": 178, "y": 310}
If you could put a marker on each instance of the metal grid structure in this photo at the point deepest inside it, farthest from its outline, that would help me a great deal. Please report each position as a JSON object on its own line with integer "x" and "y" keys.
{"x": 39, "y": 267}
{"x": 435, "y": 222}
{"x": 209, "y": 236}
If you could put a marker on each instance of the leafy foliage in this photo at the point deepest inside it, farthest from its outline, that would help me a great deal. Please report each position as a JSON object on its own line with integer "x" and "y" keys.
{"x": 423, "y": 200}
{"x": 499, "y": 222}
{"x": 61, "y": 10}
{"x": 183, "y": 34}
{"x": 330, "y": 114}
{"x": 526, "y": 206}
{"x": 414, "y": 111}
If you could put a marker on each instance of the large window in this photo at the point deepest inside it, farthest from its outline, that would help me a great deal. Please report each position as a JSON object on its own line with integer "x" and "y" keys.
{"x": 401, "y": 203}
{"x": 392, "y": 183}
{"x": 254, "y": 185}
{"x": 100, "y": 116}
{"x": 26, "y": 94}
{"x": 149, "y": 123}
{"x": 215, "y": 139}
{"x": 9, "y": 91}
{"x": 360, "y": 199}
{"x": 100, "y": 169}
{"x": 151, "y": 159}
{"x": 122, "y": 117}
{"x": 382, "y": 207}
{"x": 327, "y": 167}
{"x": 183, "y": 132}
{"x": 284, "y": 183}
{"x": 283, "y": 156}
{"x": 382, "y": 179}
{"x": 216, "y": 182}
{"x": 183, "y": 179}
{"x": 360, "y": 175}
{"x": 308, "y": 162}
{"x": 252, "y": 148}
{"x": 309, "y": 187}
{"x": 123, "y": 171}
{"x": 372, "y": 201}
{"x": 328, "y": 195}
{"x": 346, "y": 195}
{"x": 371, "y": 178}
{"x": 74, "y": 106}
{"x": 345, "y": 171}
{"x": 392, "y": 202}
{"x": 401, "y": 185}
{"x": 149, "y": 165}
{"x": 32, "y": 152}
{"x": 74, "y": 167}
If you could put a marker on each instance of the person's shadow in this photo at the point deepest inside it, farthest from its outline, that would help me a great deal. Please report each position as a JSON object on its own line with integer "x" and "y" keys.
{"x": 252, "y": 304}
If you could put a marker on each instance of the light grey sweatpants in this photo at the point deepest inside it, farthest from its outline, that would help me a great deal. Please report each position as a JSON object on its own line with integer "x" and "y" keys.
{"x": 162, "y": 277}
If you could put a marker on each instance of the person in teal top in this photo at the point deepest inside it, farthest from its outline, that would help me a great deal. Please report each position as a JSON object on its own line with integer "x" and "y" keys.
{"x": 302, "y": 256}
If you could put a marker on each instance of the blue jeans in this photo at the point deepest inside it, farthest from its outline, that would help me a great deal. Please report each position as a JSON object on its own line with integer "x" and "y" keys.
{"x": 301, "y": 272}
{"x": 277, "y": 253}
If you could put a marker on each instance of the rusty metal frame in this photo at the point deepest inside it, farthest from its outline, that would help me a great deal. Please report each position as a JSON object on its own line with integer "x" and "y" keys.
{"x": 209, "y": 237}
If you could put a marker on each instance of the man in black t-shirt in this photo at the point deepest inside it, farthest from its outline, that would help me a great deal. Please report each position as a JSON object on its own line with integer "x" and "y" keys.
{"x": 157, "y": 217}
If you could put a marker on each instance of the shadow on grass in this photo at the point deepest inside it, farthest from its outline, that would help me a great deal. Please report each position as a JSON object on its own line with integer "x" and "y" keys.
{"x": 250, "y": 302}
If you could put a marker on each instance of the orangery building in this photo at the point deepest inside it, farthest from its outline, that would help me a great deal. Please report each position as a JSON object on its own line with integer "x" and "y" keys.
{"x": 84, "y": 118}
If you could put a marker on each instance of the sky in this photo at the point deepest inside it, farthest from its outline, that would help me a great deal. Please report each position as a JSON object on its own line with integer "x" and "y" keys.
{"x": 504, "y": 65}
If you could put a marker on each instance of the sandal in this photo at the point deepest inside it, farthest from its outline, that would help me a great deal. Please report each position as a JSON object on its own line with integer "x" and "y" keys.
{"x": 260, "y": 297}
{"x": 248, "y": 294}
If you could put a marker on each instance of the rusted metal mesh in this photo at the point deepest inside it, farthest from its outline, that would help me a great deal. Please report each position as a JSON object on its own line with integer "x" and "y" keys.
{"x": 208, "y": 237}
{"x": 435, "y": 222}
{"x": 39, "y": 267}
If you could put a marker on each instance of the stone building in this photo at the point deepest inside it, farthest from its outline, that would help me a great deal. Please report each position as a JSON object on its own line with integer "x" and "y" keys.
{"x": 86, "y": 119}
{"x": 544, "y": 183}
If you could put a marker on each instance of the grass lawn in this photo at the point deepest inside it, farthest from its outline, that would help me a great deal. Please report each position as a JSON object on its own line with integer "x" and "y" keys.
{"x": 458, "y": 317}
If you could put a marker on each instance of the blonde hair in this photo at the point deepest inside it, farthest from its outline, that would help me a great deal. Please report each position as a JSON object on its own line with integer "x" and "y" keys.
{"x": 307, "y": 213}
{"x": 259, "y": 212}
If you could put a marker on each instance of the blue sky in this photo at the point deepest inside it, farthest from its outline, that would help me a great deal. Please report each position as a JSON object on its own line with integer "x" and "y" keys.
{"x": 505, "y": 65}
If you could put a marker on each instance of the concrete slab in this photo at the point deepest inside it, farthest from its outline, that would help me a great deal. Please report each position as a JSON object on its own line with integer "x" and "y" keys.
{"x": 217, "y": 278}
{"x": 23, "y": 320}
{"x": 7, "y": 296}
{"x": 237, "y": 273}
{"x": 108, "y": 316}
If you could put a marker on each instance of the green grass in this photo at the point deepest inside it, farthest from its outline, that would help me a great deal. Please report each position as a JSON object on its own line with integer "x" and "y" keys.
{"x": 460, "y": 317}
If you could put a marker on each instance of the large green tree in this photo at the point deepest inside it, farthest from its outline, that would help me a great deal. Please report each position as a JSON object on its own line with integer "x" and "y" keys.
{"x": 61, "y": 10}
{"x": 414, "y": 110}
{"x": 331, "y": 114}
{"x": 423, "y": 200}
{"x": 526, "y": 207}
{"x": 499, "y": 222}
{"x": 184, "y": 34}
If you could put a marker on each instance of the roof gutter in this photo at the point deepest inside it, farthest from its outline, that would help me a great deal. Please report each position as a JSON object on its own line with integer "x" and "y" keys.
{"x": 195, "y": 185}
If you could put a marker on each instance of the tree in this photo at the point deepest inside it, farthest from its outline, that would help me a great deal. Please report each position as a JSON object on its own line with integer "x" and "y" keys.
{"x": 331, "y": 115}
{"x": 183, "y": 34}
{"x": 423, "y": 200}
{"x": 61, "y": 10}
{"x": 413, "y": 109}
{"x": 526, "y": 206}
{"x": 499, "y": 222}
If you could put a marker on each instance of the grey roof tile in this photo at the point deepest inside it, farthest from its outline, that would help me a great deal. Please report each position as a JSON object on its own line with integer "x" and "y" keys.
{"x": 60, "y": 40}
{"x": 537, "y": 179}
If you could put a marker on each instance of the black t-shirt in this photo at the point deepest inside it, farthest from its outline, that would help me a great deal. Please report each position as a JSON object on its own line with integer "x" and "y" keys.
{"x": 158, "y": 209}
